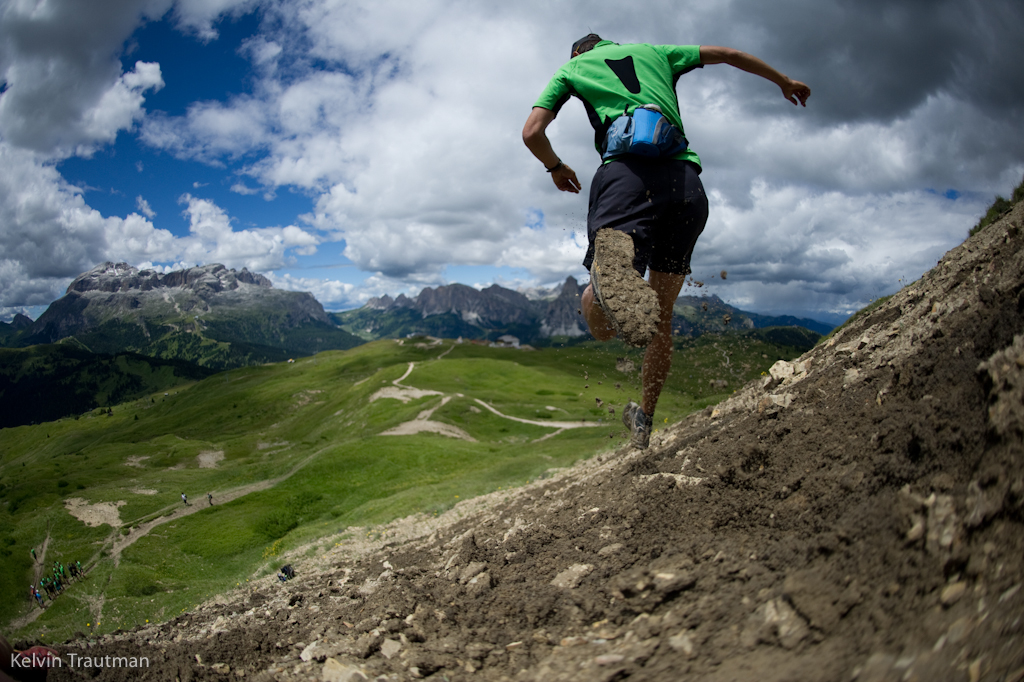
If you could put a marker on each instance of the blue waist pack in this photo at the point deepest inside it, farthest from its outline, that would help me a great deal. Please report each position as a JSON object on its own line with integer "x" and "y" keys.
{"x": 647, "y": 132}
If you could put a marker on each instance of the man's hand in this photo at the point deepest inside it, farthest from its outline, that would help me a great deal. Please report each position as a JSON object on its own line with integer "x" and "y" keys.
{"x": 565, "y": 179}
{"x": 795, "y": 92}
{"x": 537, "y": 142}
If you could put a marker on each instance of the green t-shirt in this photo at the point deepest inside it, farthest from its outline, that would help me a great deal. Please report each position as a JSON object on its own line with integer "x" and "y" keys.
{"x": 611, "y": 79}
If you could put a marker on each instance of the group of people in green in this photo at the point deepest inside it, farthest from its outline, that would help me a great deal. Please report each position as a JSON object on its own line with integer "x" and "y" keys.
{"x": 56, "y": 581}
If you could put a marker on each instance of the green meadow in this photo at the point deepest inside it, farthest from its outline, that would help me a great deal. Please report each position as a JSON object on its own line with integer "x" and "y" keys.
{"x": 294, "y": 453}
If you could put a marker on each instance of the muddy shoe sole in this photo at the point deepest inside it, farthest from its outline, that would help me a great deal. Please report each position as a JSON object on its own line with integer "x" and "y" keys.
{"x": 639, "y": 425}
{"x": 626, "y": 297}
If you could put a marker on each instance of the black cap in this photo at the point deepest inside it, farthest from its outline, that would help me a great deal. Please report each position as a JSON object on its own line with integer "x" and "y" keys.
{"x": 585, "y": 39}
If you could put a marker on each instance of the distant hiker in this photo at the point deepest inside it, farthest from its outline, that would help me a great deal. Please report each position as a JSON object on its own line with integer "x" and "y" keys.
{"x": 209, "y": 496}
{"x": 647, "y": 205}
{"x": 39, "y": 598}
{"x": 78, "y": 565}
{"x": 33, "y": 550}
{"x": 287, "y": 573}
{"x": 184, "y": 499}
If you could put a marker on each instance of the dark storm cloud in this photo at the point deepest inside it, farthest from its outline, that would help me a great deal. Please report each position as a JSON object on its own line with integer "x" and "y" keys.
{"x": 878, "y": 60}
{"x": 57, "y": 62}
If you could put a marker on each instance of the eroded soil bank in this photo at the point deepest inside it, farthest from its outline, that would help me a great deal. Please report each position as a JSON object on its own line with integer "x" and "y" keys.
{"x": 855, "y": 516}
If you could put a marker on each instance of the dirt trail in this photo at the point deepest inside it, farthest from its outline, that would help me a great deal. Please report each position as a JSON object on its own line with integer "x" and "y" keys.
{"x": 118, "y": 543}
{"x": 856, "y": 516}
{"x": 122, "y": 542}
{"x": 422, "y": 422}
{"x": 561, "y": 426}
{"x": 37, "y": 573}
{"x": 37, "y": 570}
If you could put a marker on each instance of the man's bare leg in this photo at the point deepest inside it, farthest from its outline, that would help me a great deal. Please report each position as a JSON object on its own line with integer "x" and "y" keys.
{"x": 658, "y": 358}
{"x": 600, "y": 326}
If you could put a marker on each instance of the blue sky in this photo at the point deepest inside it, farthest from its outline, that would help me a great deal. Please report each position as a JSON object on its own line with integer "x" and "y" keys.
{"x": 193, "y": 70}
{"x": 353, "y": 149}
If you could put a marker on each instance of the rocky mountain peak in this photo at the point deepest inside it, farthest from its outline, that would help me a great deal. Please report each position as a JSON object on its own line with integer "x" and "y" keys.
{"x": 380, "y": 303}
{"x": 122, "y": 277}
{"x": 121, "y": 307}
{"x": 570, "y": 289}
{"x": 21, "y": 321}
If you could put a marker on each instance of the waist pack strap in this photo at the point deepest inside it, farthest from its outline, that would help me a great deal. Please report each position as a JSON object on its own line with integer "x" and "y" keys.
{"x": 645, "y": 132}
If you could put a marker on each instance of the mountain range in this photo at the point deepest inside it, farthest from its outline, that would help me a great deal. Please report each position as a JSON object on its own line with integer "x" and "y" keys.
{"x": 536, "y": 317}
{"x": 219, "y": 318}
{"x": 122, "y": 333}
{"x": 210, "y": 315}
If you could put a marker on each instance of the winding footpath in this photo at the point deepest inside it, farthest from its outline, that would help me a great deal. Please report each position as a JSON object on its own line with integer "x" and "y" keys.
{"x": 423, "y": 423}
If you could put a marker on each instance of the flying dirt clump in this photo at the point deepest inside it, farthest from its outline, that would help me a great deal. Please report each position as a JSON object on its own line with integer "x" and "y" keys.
{"x": 855, "y": 515}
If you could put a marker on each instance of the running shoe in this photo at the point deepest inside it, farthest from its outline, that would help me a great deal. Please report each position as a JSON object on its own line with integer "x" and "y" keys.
{"x": 639, "y": 425}
{"x": 627, "y": 299}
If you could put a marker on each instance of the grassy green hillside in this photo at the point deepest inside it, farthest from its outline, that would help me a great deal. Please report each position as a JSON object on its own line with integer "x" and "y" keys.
{"x": 47, "y": 382}
{"x": 232, "y": 340}
{"x": 293, "y": 452}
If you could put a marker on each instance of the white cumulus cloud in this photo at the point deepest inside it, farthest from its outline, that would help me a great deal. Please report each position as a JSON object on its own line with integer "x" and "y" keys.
{"x": 144, "y": 207}
{"x": 401, "y": 120}
{"x": 212, "y": 240}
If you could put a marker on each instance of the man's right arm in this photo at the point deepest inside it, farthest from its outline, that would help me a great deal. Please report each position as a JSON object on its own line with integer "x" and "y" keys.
{"x": 794, "y": 91}
{"x": 537, "y": 142}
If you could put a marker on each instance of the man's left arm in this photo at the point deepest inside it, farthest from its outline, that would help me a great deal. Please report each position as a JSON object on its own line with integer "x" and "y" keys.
{"x": 536, "y": 139}
{"x": 794, "y": 91}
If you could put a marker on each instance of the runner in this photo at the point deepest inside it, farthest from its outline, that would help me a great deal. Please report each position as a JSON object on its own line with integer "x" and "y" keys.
{"x": 647, "y": 203}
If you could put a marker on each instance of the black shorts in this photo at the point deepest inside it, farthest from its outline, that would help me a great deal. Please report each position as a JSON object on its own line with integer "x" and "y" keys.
{"x": 660, "y": 202}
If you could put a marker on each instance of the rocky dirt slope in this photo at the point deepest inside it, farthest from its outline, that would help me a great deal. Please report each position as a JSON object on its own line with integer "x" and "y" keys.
{"x": 855, "y": 516}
